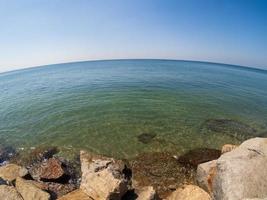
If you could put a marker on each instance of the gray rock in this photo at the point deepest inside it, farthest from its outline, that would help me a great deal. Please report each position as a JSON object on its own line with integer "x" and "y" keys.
{"x": 205, "y": 173}
{"x": 242, "y": 172}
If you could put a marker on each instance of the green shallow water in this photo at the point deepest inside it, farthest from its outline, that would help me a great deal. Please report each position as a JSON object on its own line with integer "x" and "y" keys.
{"x": 102, "y": 106}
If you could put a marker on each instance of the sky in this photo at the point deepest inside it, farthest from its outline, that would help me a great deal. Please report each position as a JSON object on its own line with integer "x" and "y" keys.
{"x": 40, "y": 32}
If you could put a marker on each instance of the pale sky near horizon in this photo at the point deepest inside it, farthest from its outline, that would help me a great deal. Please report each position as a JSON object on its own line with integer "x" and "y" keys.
{"x": 40, "y": 32}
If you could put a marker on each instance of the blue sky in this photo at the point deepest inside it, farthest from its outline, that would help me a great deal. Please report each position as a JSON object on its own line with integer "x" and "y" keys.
{"x": 39, "y": 32}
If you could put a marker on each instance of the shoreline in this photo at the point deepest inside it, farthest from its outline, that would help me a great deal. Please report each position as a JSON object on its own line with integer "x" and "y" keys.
{"x": 204, "y": 173}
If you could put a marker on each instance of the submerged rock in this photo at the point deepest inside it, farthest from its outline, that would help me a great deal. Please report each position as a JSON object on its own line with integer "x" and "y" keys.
{"x": 102, "y": 177}
{"x": 240, "y": 173}
{"x": 6, "y": 153}
{"x": 229, "y": 127}
{"x": 189, "y": 192}
{"x": 29, "y": 191}
{"x": 10, "y": 172}
{"x": 9, "y": 193}
{"x": 34, "y": 156}
{"x": 146, "y": 138}
{"x": 161, "y": 171}
{"x": 197, "y": 156}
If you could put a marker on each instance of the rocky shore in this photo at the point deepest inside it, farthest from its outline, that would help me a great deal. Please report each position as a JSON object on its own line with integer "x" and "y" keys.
{"x": 232, "y": 173}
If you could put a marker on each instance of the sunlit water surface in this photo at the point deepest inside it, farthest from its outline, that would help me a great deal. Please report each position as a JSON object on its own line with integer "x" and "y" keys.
{"x": 103, "y": 106}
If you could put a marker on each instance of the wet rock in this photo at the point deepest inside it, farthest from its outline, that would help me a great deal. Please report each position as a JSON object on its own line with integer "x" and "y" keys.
{"x": 197, "y": 156}
{"x": 102, "y": 177}
{"x": 160, "y": 170}
{"x": 76, "y": 194}
{"x": 10, "y": 172}
{"x": 229, "y": 127}
{"x": 241, "y": 173}
{"x": 6, "y": 153}
{"x": 228, "y": 147}
{"x": 29, "y": 191}
{"x": 57, "y": 190}
{"x": 146, "y": 138}
{"x": 9, "y": 193}
{"x": 205, "y": 175}
{"x": 50, "y": 169}
{"x": 189, "y": 192}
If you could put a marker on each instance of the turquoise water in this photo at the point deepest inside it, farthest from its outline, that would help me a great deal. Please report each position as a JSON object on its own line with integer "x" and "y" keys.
{"x": 103, "y": 106}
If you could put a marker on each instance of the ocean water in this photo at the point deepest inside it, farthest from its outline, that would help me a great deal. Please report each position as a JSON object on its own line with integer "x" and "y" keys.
{"x": 103, "y": 106}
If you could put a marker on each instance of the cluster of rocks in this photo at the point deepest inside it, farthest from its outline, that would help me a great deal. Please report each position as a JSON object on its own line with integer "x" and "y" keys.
{"x": 234, "y": 173}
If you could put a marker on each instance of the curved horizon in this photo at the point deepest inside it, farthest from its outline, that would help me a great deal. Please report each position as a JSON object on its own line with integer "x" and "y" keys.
{"x": 136, "y": 59}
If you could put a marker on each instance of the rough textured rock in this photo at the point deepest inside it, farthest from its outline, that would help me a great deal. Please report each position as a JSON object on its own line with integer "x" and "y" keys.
{"x": 9, "y": 193}
{"x": 205, "y": 175}
{"x": 103, "y": 178}
{"x": 241, "y": 173}
{"x": 228, "y": 147}
{"x": 48, "y": 169}
{"x": 57, "y": 189}
{"x": 197, "y": 156}
{"x": 146, "y": 193}
{"x": 189, "y": 192}
{"x": 10, "y": 172}
{"x": 76, "y": 194}
{"x": 29, "y": 191}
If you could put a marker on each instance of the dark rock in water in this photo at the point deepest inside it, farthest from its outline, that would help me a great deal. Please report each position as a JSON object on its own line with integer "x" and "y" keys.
{"x": 6, "y": 153}
{"x": 161, "y": 171}
{"x": 197, "y": 156}
{"x": 230, "y": 127}
{"x": 146, "y": 137}
{"x": 36, "y": 155}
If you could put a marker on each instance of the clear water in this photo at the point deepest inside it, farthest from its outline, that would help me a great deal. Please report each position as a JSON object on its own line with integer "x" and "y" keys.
{"x": 102, "y": 106}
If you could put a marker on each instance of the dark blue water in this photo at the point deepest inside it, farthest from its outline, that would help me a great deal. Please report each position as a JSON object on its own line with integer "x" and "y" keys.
{"x": 103, "y": 106}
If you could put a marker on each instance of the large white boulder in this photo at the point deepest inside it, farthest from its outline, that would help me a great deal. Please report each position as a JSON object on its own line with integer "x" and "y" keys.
{"x": 240, "y": 173}
{"x": 102, "y": 178}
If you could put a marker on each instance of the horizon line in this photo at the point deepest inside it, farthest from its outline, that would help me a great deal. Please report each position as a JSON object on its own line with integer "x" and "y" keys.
{"x": 125, "y": 59}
